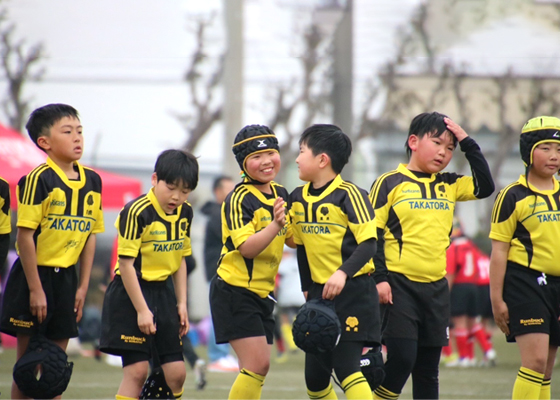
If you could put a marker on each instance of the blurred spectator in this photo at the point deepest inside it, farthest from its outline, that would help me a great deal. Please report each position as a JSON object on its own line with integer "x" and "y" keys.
{"x": 219, "y": 357}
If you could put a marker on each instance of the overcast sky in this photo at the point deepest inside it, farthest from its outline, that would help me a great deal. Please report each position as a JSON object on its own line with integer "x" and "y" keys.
{"x": 120, "y": 63}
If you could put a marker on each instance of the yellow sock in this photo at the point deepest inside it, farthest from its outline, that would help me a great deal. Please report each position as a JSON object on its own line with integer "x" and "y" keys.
{"x": 327, "y": 393}
{"x": 356, "y": 386}
{"x": 247, "y": 385}
{"x": 528, "y": 384}
{"x": 119, "y": 397}
{"x": 287, "y": 335}
{"x": 545, "y": 390}
{"x": 384, "y": 394}
{"x": 178, "y": 395}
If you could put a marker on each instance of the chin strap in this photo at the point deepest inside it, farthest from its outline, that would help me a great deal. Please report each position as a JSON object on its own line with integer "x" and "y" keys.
{"x": 247, "y": 180}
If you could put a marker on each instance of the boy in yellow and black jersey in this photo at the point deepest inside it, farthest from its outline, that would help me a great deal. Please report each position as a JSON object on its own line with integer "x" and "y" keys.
{"x": 335, "y": 233}
{"x": 59, "y": 213}
{"x": 524, "y": 267}
{"x": 153, "y": 241}
{"x": 254, "y": 230}
{"x": 5, "y": 223}
{"x": 246, "y": 211}
{"x": 414, "y": 207}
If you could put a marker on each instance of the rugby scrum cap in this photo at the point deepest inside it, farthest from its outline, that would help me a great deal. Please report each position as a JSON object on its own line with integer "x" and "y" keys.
{"x": 253, "y": 139}
{"x": 43, "y": 372}
{"x": 316, "y": 328}
{"x": 155, "y": 386}
{"x": 536, "y": 131}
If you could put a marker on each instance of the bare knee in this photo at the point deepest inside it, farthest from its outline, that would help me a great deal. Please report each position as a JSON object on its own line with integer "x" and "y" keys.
{"x": 261, "y": 367}
{"x": 257, "y": 365}
{"x": 536, "y": 363}
{"x": 136, "y": 373}
{"x": 175, "y": 374}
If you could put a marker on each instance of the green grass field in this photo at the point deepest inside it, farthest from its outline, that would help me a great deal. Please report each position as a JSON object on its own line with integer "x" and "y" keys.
{"x": 97, "y": 380}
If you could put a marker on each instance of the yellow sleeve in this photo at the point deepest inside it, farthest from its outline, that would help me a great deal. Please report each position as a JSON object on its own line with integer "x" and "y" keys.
{"x": 504, "y": 218}
{"x": 465, "y": 188}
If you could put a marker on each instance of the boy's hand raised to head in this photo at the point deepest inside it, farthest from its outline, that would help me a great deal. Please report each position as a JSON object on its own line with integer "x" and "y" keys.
{"x": 280, "y": 212}
{"x": 455, "y": 129}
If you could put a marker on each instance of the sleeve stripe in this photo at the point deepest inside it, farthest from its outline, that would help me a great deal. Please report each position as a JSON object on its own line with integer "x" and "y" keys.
{"x": 374, "y": 192}
{"x": 499, "y": 201}
{"x": 31, "y": 185}
{"x": 232, "y": 212}
{"x": 357, "y": 203}
{"x": 131, "y": 221}
{"x": 236, "y": 211}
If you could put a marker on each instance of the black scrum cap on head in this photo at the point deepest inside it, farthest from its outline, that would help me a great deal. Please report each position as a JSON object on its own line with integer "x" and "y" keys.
{"x": 253, "y": 139}
{"x": 536, "y": 131}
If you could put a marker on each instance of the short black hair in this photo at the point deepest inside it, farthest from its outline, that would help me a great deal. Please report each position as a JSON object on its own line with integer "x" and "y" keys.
{"x": 328, "y": 139}
{"x": 173, "y": 166}
{"x": 219, "y": 180}
{"x": 428, "y": 124}
{"x": 43, "y": 118}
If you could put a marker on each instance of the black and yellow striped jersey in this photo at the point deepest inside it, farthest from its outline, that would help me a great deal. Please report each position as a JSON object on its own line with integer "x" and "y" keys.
{"x": 416, "y": 213}
{"x": 63, "y": 212}
{"x": 529, "y": 220}
{"x": 246, "y": 211}
{"x": 156, "y": 240}
{"x": 5, "y": 214}
{"x": 331, "y": 225}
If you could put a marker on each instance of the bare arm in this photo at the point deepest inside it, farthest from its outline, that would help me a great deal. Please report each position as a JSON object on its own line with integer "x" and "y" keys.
{"x": 291, "y": 243}
{"x": 28, "y": 257}
{"x": 86, "y": 263}
{"x": 180, "y": 284}
{"x": 498, "y": 262}
{"x": 132, "y": 287}
{"x": 257, "y": 242}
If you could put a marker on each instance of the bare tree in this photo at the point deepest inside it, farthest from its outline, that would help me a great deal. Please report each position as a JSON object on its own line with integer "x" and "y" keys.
{"x": 202, "y": 86}
{"x": 19, "y": 65}
{"x": 311, "y": 95}
{"x": 447, "y": 87}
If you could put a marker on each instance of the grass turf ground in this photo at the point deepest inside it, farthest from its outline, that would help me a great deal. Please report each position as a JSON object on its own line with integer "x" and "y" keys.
{"x": 93, "y": 379}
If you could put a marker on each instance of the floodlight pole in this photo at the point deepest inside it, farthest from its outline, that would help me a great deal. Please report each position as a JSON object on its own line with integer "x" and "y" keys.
{"x": 342, "y": 95}
{"x": 233, "y": 81}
